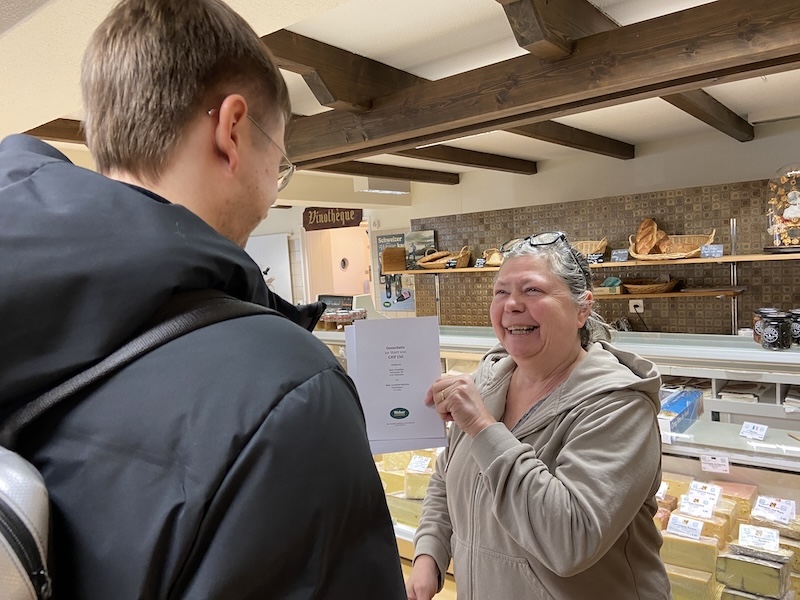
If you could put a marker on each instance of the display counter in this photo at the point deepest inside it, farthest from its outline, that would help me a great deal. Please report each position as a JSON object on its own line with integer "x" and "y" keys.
{"x": 720, "y": 362}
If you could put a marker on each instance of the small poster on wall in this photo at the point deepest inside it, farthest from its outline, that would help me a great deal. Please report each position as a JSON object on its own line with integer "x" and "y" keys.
{"x": 395, "y": 292}
{"x": 418, "y": 243}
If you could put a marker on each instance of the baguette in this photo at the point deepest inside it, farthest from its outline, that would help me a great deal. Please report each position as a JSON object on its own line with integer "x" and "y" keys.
{"x": 433, "y": 256}
{"x": 646, "y": 236}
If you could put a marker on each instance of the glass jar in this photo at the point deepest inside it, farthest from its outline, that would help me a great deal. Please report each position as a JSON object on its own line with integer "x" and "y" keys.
{"x": 783, "y": 208}
{"x": 776, "y": 331}
{"x": 795, "y": 316}
{"x": 757, "y": 324}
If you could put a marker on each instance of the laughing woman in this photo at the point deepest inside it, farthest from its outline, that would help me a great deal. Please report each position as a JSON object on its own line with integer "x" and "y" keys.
{"x": 546, "y": 490}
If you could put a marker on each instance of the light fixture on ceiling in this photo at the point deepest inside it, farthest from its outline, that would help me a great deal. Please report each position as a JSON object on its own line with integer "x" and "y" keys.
{"x": 378, "y": 185}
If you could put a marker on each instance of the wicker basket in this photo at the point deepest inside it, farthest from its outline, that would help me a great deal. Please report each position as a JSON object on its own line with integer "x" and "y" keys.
{"x": 649, "y": 286}
{"x": 493, "y": 257}
{"x": 461, "y": 257}
{"x": 590, "y": 246}
{"x": 695, "y": 241}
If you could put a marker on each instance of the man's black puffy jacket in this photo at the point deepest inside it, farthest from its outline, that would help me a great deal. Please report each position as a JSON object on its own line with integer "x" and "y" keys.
{"x": 231, "y": 463}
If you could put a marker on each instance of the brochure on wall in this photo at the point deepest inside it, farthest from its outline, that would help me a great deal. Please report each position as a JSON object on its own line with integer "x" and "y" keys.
{"x": 395, "y": 292}
{"x": 393, "y": 362}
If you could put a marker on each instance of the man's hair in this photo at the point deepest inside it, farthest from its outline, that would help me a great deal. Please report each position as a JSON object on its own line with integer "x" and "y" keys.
{"x": 152, "y": 65}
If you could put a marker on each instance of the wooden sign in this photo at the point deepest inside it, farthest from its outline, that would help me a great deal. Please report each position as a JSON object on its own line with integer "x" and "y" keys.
{"x": 331, "y": 218}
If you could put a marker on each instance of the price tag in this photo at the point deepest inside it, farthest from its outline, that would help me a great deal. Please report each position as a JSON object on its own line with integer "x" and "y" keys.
{"x": 419, "y": 463}
{"x": 661, "y": 494}
{"x": 594, "y": 259}
{"x": 706, "y": 490}
{"x": 685, "y": 526}
{"x": 715, "y": 464}
{"x": 451, "y": 264}
{"x": 711, "y": 251}
{"x": 480, "y": 262}
{"x": 619, "y": 255}
{"x": 697, "y": 506}
{"x": 775, "y": 509}
{"x": 753, "y": 431}
{"x": 759, "y": 538}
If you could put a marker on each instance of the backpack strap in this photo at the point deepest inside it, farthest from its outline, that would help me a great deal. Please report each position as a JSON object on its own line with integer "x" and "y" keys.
{"x": 183, "y": 313}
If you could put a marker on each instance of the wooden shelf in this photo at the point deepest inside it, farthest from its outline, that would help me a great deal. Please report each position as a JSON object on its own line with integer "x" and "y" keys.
{"x": 720, "y": 293}
{"x": 737, "y": 258}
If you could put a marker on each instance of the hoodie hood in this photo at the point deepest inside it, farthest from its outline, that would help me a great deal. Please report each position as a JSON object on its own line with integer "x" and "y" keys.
{"x": 605, "y": 369}
{"x": 87, "y": 260}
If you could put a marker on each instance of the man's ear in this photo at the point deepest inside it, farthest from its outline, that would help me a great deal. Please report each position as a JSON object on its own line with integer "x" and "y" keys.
{"x": 228, "y": 133}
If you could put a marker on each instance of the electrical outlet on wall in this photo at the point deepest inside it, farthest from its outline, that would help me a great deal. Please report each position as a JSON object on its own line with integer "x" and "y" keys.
{"x": 636, "y": 306}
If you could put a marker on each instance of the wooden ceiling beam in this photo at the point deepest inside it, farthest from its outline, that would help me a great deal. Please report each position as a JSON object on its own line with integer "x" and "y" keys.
{"x": 550, "y": 34}
{"x": 549, "y": 29}
{"x": 60, "y": 130}
{"x": 471, "y": 158}
{"x": 338, "y": 79}
{"x": 364, "y": 169}
{"x": 705, "y": 107}
{"x": 563, "y": 135}
{"x": 726, "y": 40}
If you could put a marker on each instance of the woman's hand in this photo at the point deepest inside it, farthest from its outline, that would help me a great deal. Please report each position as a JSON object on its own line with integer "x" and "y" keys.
{"x": 423, "y": 582}
{"x": 456, "y": 398}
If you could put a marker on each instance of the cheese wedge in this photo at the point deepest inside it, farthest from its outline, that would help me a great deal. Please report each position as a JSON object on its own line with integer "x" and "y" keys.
{"x": 780, "y": 555}
{"x": 790, "y": 530}
{"x": 792, "y": 546}
{"x": 794, "y": 583}
{"x": 692, "y": 554}
{"x": 714, "y": 527}
{"x": 393, "y": 481}
{"x": 742, "y": 493}
{"x": 677, "y": 484}
{"x": 691, "y": 584}
{"x": 669, "y": 502}
{"x": 396, "y": 461}
{"x": 753, "y": 575}
{"x": 732, "y": 594}
{"x": 416, "y": 483}
{"x": 661, "y": 518}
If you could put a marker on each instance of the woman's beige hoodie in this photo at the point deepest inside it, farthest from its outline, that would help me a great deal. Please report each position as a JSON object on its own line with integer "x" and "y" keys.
{"x": 562, "y": 508}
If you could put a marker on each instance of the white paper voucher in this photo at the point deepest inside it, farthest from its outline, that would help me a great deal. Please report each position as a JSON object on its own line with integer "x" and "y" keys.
{"x": 398, "y": 360}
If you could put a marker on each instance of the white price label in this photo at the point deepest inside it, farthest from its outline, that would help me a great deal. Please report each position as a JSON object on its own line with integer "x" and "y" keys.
{"x": 706, "y": 490}
{"x": 661, "y": 494}
{"x": 754, "y": 431}
{"x": 715, "y": 464}
{"x": 419, "y": 463}
{"x": 685, "y": 526}
{"x": 774, "y": 509}
{"x": 696, "y": 505}
{"x": 759, "y": 538}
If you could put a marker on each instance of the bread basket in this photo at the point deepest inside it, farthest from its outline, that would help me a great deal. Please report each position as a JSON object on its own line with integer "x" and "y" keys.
{"x": 493, "y": 257}
{"x": 652, "y": 286}
{"x": 461, "y": 257}
{"x": 587, "y": 247}
{"x": 689, "y": 241}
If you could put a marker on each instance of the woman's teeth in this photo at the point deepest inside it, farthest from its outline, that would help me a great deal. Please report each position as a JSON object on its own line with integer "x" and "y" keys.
{"x": 519, "y": 330}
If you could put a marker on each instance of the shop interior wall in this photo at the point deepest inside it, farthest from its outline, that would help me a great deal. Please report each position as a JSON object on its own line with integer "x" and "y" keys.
{"x": 697, "y": 210}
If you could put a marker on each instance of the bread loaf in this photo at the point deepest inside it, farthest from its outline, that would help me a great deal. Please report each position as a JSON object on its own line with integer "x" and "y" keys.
{"x": 662, "y": 240}
{"x": 433, "y": 256}
{"x": 646, "y": 236}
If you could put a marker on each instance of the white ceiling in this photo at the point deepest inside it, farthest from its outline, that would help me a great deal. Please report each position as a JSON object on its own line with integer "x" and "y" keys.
{"x": 41, "y": 43}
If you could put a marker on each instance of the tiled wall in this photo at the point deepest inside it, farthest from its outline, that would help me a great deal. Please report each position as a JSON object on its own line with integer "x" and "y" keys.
{"x": 465, "y": 296}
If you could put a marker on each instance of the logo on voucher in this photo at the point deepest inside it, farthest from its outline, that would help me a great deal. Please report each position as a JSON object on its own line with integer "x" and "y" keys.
{"x": 399, "y": 413}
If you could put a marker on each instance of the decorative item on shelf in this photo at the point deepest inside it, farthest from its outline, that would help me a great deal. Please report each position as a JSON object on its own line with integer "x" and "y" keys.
{"x": 783, "y": 210}
{"x": 652, "y": 243}
{"x": 661, "y": 285}
{"x": 441, "y": 259}
{"x": 587, "y": 247}
{"x": 611, "y": 286}
{"x": 393, "y": 258}
{"x": 493, "y": 256}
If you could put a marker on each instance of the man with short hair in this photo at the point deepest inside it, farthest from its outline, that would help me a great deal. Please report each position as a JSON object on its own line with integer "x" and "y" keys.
{"x": 233, "y": 461}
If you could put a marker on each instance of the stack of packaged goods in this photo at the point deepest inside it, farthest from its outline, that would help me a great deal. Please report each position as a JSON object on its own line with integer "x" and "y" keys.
{"x": 722, "y": 540}
{"x": 405, "y": 476}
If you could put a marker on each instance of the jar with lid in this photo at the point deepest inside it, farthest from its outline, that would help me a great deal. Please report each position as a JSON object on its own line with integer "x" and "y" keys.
{"x": 757, "y": 324}
{"x": 776, "y": 331}
{"x": 783, "y": 208}
{"x": 795, "y": 316}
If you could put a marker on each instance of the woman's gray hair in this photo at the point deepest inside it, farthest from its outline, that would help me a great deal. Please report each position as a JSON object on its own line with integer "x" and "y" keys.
{"x": 571, "y": 267}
